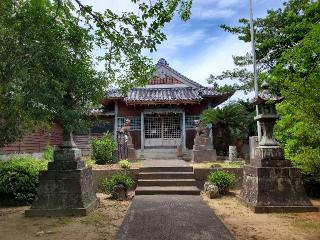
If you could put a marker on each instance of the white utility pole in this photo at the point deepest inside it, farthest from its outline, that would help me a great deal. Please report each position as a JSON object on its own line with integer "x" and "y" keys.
{"x": 254, "y": 59}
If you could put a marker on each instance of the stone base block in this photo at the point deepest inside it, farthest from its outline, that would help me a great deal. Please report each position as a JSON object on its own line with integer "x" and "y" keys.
{"x": 279, "y": 209}
{"x": 274, "y": 189}
{"x": 64, "y": 193}
{"x": 63, "y": 212}
{"x": 131, "y": 153}
{"x": 208, "y": 155}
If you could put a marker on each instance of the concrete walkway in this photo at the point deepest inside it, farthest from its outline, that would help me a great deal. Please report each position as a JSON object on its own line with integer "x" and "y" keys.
{"x": 171, "y": 217}
{"x": 164, "y": 163}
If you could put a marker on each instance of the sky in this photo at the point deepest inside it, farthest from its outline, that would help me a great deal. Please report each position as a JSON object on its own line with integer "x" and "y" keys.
{"x": 199, "y": 47}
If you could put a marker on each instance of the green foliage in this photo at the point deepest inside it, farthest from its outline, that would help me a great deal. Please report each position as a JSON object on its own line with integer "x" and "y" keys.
{"x": 118, "y": 178}
{"x": 48, "y": 153}
{"x": 235, "y": 120}
{"x": 288, "y": 52}
{"x": 298, "y": 130}
{"x": 102, "y": 148}
{"x": 223, "y": 180}
{"x": 19, "y": 178}
{"x": 279, "y": 30}
{"x": 47, "y": 69}
{"x": 124, "y": 163}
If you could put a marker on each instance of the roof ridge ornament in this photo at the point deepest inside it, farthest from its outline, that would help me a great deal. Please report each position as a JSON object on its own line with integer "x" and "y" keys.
{"x": 163, "y": 62}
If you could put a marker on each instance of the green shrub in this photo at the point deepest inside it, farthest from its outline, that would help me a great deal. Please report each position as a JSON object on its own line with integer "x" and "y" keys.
{"x": 222, "y": 179}
{"x": 19, "y": 178}
{"x": 124, "y": 163}
{"x": 308, "y": 161}
{"x": 48, "y": 153}
{"x": 118, "y": 178}
{"x": 102, "y": 148}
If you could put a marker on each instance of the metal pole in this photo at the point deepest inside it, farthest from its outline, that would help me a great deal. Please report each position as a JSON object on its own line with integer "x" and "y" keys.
{"x": 254, "y": 59}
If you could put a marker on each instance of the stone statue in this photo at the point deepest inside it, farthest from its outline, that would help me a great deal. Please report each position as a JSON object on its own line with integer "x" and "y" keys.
{"x": 202, "y": 130}
{"x": 125, "y": 130}
{"x": 202, "y": 149}
{"x": 126, "y": 127}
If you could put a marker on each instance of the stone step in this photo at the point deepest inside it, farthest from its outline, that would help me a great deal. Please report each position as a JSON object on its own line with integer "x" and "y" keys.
{"x": 166, "y": 175}
{"x": 167, "y": 169}
{"x": 181, "y": 190}
{"x": 167, "y": 182}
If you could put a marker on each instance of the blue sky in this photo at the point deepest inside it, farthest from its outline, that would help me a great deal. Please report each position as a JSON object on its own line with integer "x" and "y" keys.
{"x": 199, "y": 47}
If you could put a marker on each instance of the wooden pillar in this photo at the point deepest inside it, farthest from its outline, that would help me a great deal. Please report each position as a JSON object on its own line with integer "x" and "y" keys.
{"x": 210, "y": 125}
{"x": 184, "y": 134}
{"x": 142, "y": 133}
{"x": 115, "y": 119}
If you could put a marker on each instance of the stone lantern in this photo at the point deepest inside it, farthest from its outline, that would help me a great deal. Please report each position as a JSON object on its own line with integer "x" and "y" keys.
{"x": 66, "y": 188}
{"x": 267, "y": 114}
{"x": 270, "y": 182}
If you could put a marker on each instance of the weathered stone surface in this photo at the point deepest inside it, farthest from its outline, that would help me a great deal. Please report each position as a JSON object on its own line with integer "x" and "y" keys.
{"x": 208, "y": 155}
{"x": 266, "y": 189}
{"x": 66, "y": 189}
{"x": 131, "y": 152}
{"x": 233, "y": 154}
{"x": 202, "y": 150}
{"x": 119, "y": 192}
{"x": 253, "y": 143}
{"x": 212, "y": 191}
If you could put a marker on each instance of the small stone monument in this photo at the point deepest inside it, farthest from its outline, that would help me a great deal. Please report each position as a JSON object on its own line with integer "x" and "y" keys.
{"x": 270, "y": 183}
{"x": 203, "y": 150}
{"x": 66, "y": 188}
{"x": 128, "y": 139}
{"x": 233, "y": 154}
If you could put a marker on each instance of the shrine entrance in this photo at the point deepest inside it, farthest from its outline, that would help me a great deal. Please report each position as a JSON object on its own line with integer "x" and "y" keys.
{"x": 162, "y": 130}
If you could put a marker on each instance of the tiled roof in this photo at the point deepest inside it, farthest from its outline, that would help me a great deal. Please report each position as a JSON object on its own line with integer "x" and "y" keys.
{"x": 153, "y": 95}
{"x": 163, "y": 63}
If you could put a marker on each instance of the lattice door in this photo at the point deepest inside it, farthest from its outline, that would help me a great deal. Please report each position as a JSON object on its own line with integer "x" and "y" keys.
{"x": 162, "y": 131}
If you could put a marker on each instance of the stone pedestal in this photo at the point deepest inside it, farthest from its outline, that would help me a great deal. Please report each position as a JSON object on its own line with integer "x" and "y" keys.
{"x": 233, "y": 154}
{"x": 271, "y": 184}
{"x": 203, "y": 151}
{"x": 131, "y": 150}
{"x": 66, "y": 189}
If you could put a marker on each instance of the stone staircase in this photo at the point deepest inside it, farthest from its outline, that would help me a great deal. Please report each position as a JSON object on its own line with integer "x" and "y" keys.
{"x": 167, "y": 180}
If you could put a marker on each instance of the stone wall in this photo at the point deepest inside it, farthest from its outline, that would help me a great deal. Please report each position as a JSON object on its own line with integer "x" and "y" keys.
{"x": 201, "y": 175}
{"x": 98, "y": 175}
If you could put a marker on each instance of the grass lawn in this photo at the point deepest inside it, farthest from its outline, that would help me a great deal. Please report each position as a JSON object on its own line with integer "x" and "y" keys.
{"x": 246, "y": 225}
{"x": 112, "y": 166}
{"x": 100, "y": 224}
{"x": 217, "y": 164}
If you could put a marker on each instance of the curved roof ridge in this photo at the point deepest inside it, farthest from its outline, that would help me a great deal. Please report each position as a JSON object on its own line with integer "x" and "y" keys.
{"x": 162, "y": 62}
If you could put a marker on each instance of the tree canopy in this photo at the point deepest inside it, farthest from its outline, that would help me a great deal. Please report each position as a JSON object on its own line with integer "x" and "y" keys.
{"x": 288, "y": 53}
{"x": 234, "y": 120}
{"x": 49, "y": 50}
{"x": 280, "y": 30}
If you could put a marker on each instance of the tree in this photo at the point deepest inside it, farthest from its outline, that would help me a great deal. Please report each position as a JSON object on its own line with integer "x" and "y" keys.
{"x": 235, "y": 121}
{"x": 287, "y": 45}
{"x": 280, "y": 30}
{"x": 47, "y": 68}
{"x": 298, "y": 130}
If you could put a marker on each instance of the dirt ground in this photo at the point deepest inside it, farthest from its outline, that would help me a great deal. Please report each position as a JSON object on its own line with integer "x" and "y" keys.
{"x": 246, "y": 225}
{"x": 101, "y": 224}
{"x": 112, "y": 166}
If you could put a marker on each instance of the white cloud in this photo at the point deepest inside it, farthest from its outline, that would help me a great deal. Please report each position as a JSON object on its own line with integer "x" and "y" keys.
{"x": 214, "y": 9}
{"x": 118, "y": 6}
{"x": 204, "y": 13}
{"x": 214, "y": 59}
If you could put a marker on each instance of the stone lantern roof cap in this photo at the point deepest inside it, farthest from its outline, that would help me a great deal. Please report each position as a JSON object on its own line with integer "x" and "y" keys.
{"x": 265, "y": 95}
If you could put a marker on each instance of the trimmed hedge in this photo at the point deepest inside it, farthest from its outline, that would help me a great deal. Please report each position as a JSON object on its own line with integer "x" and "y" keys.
{"x": 19, "y": 179}
{"x": 223, "y": 180}
{"x": 119, "y": 178}
{"x": 102, "y": 148}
